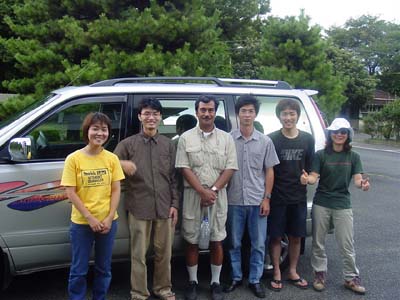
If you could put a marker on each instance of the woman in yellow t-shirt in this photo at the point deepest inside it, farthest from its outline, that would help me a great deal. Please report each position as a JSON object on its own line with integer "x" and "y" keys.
{"x": 92, "y": 178}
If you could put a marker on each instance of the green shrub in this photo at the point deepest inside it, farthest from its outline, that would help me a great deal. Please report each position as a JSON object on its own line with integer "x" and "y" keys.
{"x": 371, "y": 125}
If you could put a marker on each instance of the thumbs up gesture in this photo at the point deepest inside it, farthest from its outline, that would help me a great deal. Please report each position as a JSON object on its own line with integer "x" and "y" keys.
{"x": 304, "y": 177}
{"x": 365, "y": 184}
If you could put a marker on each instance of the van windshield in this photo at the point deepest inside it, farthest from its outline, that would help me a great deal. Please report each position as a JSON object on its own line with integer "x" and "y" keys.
{"x": 15, "y": 116}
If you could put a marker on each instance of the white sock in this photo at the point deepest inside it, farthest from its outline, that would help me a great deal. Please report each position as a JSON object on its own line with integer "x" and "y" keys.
{"x": 192, "y": 273}
{"x": 215, "y": 272}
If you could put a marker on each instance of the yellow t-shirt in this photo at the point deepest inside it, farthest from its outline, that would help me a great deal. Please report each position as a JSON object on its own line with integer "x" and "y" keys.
{"x": 92, "y": 176}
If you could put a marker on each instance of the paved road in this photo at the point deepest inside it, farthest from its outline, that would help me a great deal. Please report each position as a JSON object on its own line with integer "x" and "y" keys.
{"x": 376, "y": 218}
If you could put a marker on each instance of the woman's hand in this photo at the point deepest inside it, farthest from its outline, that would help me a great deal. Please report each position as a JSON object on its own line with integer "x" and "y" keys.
{"x": 107, "y": 223}
{"x": 365, "y": 184}
{"x": 95, "y": 224}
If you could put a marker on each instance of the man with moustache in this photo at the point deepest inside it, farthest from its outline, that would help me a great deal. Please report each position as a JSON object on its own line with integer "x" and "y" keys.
{"x": 206, "y": 157}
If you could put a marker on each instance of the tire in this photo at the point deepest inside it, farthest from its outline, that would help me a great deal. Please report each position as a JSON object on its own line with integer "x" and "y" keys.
{"x": 284, "y": 259}
{"x": 268, "y": 269}
{"x": 246, "y": 247}
{"x": 5, "y": 277}
{"x": 1, "y": 271}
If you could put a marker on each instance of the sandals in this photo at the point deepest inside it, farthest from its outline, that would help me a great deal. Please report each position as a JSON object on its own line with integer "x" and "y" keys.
{"x": 167, "y": 296}
{"x": 274, "y": 288}
{"x": 300, "y": 283}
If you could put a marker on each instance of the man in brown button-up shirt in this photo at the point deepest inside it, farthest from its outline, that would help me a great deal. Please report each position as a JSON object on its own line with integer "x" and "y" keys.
{"x": 151, "y": 198}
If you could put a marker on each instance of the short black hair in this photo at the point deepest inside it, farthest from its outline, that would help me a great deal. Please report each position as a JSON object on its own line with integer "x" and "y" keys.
{"x": 186, "y": 122}
{"x": 220, "y": 123}
{"x": 287, "y": 104}
{"x": 149, "y": 102}
{"x": 206, "y": 99}
{"x": 247, "y": 100}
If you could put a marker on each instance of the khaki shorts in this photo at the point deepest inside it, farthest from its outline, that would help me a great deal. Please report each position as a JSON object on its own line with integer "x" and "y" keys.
{"x": 192, "y": 215}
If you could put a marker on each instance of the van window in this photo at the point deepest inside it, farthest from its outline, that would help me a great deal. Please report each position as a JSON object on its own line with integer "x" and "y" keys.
{"x": 183, "y": 106}
{"x": 60, "y": 134}
{"x": 267, "y": 121}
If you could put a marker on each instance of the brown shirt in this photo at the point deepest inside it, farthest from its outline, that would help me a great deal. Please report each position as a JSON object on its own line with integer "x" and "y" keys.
{"x": 152, "y": 190}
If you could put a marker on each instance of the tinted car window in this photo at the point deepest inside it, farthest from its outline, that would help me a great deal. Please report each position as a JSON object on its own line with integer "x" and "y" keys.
{"x": 176, "y": 107}
{"x": 61, "y": 134}
{"x": 267, "y": 121}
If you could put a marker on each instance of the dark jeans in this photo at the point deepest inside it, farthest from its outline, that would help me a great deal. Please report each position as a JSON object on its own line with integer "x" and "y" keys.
{"x": 82, "y": 240}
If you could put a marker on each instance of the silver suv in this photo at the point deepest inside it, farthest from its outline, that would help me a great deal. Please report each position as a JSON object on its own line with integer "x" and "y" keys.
{"x": 34, "y": 209}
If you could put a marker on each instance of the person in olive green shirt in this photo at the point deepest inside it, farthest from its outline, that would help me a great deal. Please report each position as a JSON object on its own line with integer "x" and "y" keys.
{"x": 336, "y": 166}
{"x": 151, "y": 198}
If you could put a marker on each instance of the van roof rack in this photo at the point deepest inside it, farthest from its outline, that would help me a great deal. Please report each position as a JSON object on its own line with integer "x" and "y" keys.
{"x": 165, "y": 80}
{"x": 256, "y": 83}
{"x": 227, "y": 82}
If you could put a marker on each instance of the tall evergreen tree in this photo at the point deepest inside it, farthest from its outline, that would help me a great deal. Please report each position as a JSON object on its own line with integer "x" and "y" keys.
{"x": 294, "y": 51}
{"x": 54, "y": 43}
{"x": 241, "y": 22}
{"x": 360, "y": 86}
{"x": 377, "y": 43}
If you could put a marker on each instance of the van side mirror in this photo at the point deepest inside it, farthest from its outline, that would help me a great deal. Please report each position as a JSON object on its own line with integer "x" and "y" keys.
{"x": 21, "y": 148}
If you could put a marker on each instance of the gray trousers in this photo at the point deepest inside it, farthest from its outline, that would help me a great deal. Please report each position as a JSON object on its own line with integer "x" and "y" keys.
{"x": 342, "y": 220}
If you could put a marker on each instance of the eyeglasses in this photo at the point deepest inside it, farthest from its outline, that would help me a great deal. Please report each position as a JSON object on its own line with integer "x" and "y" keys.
{"x": 149, "y": 114}
{"x": 342, "y": 131}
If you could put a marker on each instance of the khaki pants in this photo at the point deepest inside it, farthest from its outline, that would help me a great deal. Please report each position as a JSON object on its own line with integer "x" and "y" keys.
{"x": 140, "y": 234}
{"x": 342, "y": 220}
{"x": 192, "y": 215}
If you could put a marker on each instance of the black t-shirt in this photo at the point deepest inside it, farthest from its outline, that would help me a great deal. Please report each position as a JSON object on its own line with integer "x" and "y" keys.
{"x": 294, "y": 155}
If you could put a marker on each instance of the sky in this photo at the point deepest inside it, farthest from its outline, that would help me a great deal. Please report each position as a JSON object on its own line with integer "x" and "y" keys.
{"x": 329, "y": 13}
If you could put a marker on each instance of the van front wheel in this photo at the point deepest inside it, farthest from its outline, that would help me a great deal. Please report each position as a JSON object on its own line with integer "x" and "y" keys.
{"x": 268, "y": 269}
{"x": 1, "y": 270}
{"x": 5, "y": 277}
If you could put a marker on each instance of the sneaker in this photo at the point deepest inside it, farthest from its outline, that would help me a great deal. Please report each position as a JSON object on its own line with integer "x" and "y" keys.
{"x": 355, "y": 285}
{"x": 216, "y": 291}
{"x": 191, "y": 291}
{"x": 319, "y": 281}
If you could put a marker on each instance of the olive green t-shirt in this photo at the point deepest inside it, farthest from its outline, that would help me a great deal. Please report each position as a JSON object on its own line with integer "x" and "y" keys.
{"x": 336, "y": 171}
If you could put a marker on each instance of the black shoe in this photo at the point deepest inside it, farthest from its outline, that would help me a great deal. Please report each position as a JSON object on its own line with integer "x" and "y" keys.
{"x": 191, "y": 291}
{"x": 232, "y": 286}
{"x": 257, "y": 289}
{"x": 216, "y": 292}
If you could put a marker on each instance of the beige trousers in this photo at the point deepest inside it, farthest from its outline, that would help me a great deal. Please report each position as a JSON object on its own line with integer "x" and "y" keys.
{"x": 342, "y": 220}
{"x": 141, "y": 232}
